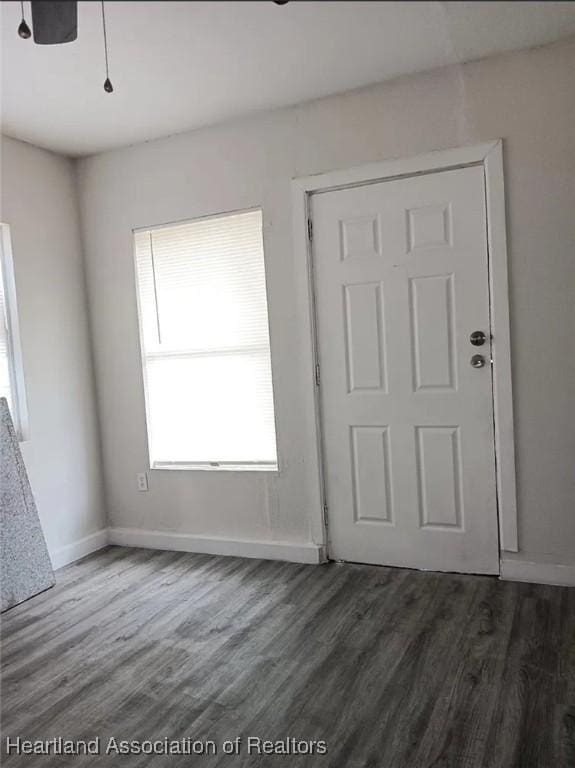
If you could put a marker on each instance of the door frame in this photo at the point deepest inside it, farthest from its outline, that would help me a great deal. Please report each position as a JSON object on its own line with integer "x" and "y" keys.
{"x": 489, "y": 156}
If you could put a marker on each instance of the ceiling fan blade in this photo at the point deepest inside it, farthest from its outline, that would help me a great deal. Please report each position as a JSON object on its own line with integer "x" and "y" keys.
{"x": 54, "y": 22}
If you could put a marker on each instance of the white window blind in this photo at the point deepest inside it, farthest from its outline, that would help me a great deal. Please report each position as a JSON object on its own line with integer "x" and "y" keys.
{"x": 205, "y": 342}
{"x": 5, "y": 363}
{"x": 11, "y": 370}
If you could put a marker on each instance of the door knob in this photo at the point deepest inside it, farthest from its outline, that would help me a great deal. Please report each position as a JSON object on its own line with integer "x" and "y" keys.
{"x": 477, "y": 361}
{"x": 477, "y": 338}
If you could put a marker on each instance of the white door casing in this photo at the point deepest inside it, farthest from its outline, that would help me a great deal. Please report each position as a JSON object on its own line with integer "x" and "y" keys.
{"x": 401, "y": 280}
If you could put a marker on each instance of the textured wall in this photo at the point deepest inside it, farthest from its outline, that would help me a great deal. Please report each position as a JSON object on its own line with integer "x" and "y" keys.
{"x": 526, "y": 98}
{"x": 62, "y": 453}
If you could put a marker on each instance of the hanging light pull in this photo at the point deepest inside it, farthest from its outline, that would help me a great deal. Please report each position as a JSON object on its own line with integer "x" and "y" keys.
{"x": 108, "y": 87}
{"x": 24, "y": 30}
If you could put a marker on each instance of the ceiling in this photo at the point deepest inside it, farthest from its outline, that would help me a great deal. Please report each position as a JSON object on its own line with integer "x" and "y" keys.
{"x": 181, "y": 65}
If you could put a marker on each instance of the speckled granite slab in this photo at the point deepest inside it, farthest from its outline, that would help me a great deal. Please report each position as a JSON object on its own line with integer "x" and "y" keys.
{"x": 26, "y": 569}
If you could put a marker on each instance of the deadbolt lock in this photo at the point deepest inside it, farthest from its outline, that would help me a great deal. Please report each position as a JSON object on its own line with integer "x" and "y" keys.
{"x": 478, "y": 338}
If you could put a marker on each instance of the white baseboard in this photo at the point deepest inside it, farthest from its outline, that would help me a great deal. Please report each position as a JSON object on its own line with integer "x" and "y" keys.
{"x": 208, "y": 545}
{"x": 71, "y": 552}
{"x": 538, "y": 573}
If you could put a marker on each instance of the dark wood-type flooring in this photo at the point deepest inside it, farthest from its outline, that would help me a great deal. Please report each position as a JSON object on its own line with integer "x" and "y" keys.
{"x": 393, "y": 668}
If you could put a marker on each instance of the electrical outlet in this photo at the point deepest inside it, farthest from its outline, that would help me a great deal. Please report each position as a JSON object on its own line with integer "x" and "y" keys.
{"x": 142, "y": 479}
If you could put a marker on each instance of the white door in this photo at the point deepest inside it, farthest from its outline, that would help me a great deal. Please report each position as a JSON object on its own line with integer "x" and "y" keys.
{"x": 401, "y": 277}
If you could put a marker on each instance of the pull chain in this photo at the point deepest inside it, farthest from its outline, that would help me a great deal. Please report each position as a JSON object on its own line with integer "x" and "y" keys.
{"x": 108, "y": 87}
{"x": 23, "y": 29}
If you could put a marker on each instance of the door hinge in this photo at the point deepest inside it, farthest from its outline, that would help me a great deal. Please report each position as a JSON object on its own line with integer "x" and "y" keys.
{"x": 325, "y": 515}
{"x": 309, "y": 230}
{"x": 317, "y": 375}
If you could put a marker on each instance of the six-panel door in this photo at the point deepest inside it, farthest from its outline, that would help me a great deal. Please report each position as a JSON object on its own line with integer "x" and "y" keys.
{"x": 401, "y": 283}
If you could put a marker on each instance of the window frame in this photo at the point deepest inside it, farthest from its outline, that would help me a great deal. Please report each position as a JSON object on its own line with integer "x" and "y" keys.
{"x": 204, "y": 466}
{"x": 15, "y": 362}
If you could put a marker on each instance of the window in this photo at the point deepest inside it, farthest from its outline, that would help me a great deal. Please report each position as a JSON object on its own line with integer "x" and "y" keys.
{"x": 205, "y": 343}
{"x": 11, "y": 373}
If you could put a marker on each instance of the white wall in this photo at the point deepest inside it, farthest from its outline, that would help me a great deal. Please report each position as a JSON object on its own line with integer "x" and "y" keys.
{"x": 527, "y": 98}
{"x": 62, "y": 454}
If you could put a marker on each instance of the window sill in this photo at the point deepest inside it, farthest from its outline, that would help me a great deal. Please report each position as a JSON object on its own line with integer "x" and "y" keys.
{"x": 215, "y": 467}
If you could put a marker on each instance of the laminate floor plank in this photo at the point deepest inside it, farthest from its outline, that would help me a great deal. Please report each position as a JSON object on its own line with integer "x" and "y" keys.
{"x": 392, "y": 668}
